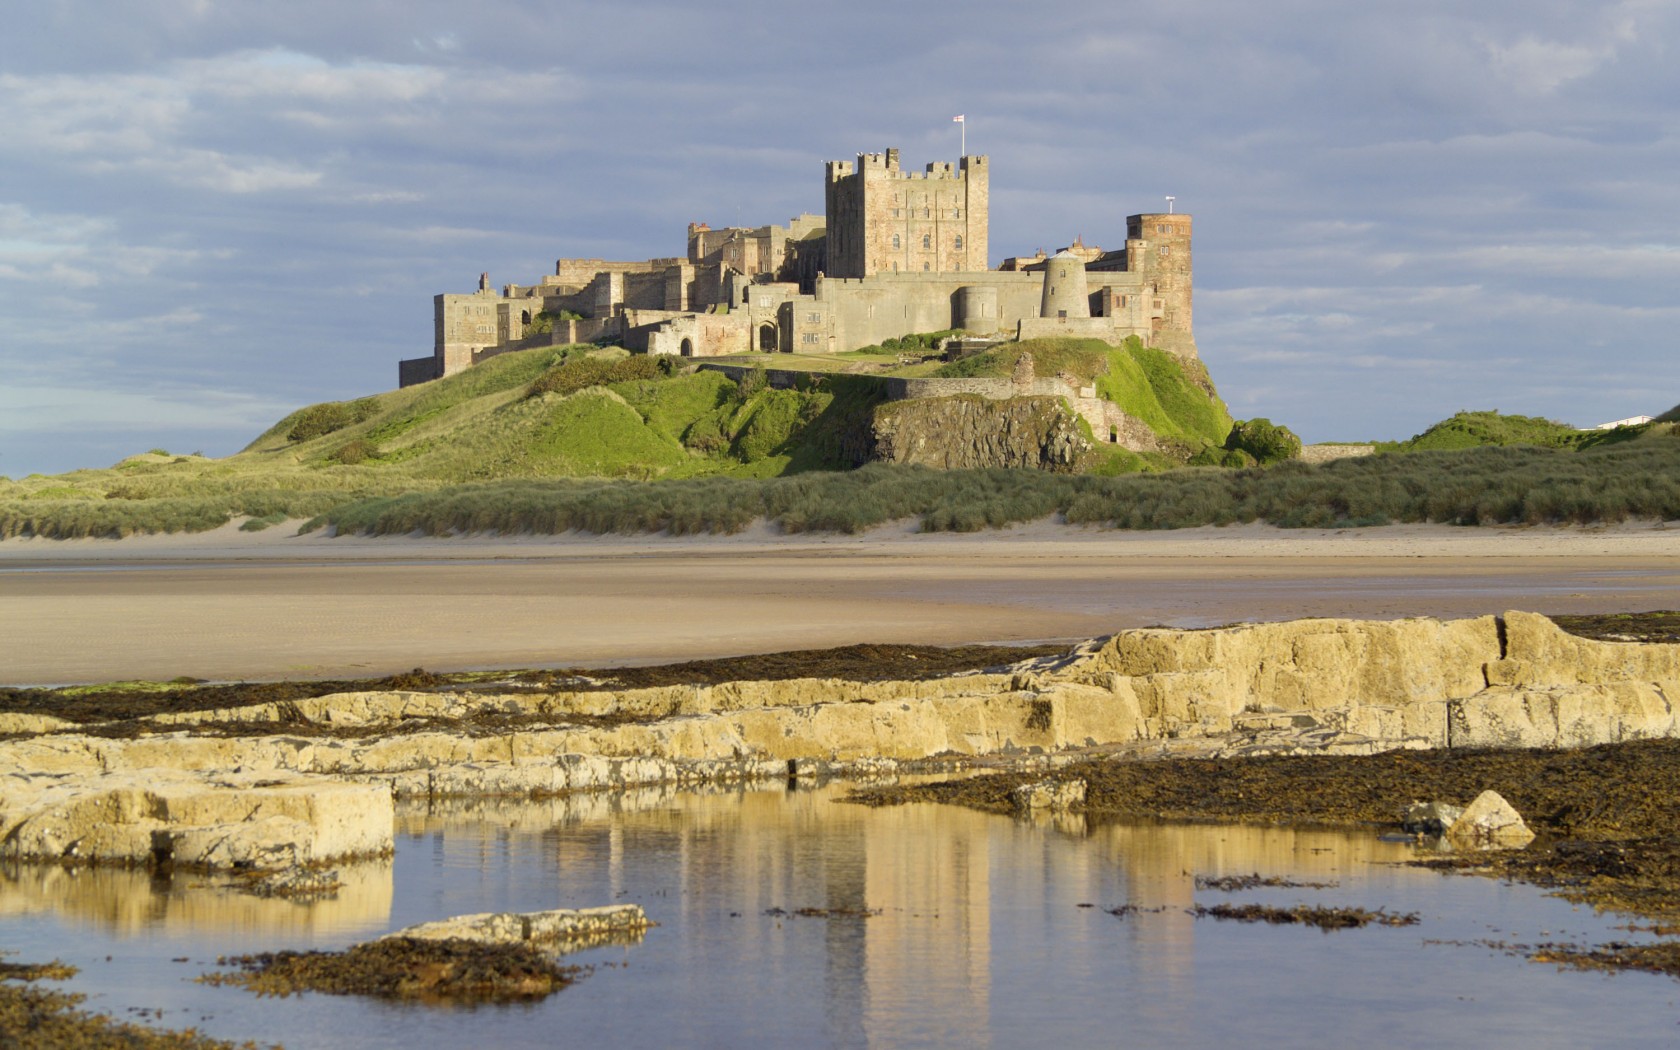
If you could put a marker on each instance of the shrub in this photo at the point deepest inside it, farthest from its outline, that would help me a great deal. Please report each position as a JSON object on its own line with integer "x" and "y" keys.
{"x": 358, "y": 450}
{"x": 579, "y": 373}
{"x": 569, "y": 377}
{"x": 319, "y": 420}
{"x": 1263, "y": 440}
{"x": 704, "y": 435}
{"x": 751, "y": 384}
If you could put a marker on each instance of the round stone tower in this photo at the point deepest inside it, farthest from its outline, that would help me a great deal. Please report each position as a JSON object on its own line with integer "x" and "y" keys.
{"x": 1065, "y": 291}
{"x": 977, "y": 308}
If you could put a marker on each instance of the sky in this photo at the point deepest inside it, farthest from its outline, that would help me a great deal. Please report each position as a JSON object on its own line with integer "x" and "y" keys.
{"x": 212, "y": 213}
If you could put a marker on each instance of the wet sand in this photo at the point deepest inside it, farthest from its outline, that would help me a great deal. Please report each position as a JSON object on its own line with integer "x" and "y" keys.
{"x": 229, "y": 605}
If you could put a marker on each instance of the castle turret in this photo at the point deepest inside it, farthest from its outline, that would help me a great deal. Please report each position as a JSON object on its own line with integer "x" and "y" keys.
{"x": 1066, "y": 293}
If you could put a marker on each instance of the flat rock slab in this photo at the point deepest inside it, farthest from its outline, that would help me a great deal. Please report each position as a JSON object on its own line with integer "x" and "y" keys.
{"x": 563, "y": 928}
{"x": 220, "y": 821}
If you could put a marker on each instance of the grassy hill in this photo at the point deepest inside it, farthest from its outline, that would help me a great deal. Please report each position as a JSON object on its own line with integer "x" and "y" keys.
{"x": 1477, "y": 429}
{"x": 577, "y": 437}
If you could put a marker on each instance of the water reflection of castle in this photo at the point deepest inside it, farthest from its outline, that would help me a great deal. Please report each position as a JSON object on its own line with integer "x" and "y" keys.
{"x": 968, "y": 902}
{"x": 972, "y": 907}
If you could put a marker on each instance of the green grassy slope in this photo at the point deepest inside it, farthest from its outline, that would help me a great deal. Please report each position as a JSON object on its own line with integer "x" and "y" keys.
{"x": 483, "y": 424}
{"x": 1477, "y": 429}
{"x": 1172, "y": 396}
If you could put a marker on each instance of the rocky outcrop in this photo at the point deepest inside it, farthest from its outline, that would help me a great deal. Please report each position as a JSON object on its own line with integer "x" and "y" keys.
{"x": 163, "y": 816}
{"x": 564, "y": 929}
{"x": 1339, "y": 686}
{"x": 967, "y": 431}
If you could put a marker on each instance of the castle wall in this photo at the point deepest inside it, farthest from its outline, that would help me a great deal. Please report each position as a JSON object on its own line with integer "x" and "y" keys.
{"x": 578, "y": 272}
{"x": 870, "y": 310}
{"x": 642, "y": 291}
{"x": 701, "y": 335}
{"x": 417, "y": 370}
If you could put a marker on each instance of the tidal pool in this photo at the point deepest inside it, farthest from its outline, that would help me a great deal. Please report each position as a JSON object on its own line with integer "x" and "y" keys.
{"x": 987, "y": 931}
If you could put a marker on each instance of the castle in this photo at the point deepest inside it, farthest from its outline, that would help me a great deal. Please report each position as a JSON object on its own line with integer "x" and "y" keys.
{"x": 896, "y": 252}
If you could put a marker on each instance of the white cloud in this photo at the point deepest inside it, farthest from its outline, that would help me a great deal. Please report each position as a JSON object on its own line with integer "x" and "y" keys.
{"x": 1539, "y": 66}
{"x": 76, "y": 251}
{"x": 1542, "y": 66}
{"x": 194, "y": 123}
{"x": 52, "y": 408}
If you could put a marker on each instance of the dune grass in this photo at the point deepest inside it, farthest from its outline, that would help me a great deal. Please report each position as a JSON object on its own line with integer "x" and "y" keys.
{"x": 1483, "y": 486}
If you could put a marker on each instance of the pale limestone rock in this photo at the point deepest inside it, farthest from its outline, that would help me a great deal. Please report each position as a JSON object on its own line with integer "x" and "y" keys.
{"x": 537, "y": 927}
{"x": 225, "y": 821}
{"x": 19, "y": 722}
{"x": 1561, "y": 715}
{"x": 1430, "y": 818}
{"x": 1489, "y": 820}
{"x": 1361, "y": 686}
{"x": 1055, "y": 795}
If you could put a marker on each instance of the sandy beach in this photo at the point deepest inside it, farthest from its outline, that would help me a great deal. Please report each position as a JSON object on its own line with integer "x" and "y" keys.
{"x": 230, "y": 605}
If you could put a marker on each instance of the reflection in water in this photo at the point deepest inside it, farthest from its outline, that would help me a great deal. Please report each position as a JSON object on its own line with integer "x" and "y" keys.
{"x": 125, "y": 902}
{"x": 938, "y": 876}
{"x": 980, "y": 939}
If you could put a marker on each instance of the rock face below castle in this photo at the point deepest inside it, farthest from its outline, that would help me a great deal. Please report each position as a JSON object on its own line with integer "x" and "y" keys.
{"x": 968, "y": 431}
{"x": 897, "y": 252}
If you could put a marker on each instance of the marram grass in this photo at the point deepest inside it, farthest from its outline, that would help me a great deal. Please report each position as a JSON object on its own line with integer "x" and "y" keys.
{"x": 1487, "y": 486}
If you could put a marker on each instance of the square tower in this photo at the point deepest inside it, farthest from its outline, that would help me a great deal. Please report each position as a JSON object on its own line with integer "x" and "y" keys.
{"x": 885, "y": 220}
{"x": 1158, "y": 247}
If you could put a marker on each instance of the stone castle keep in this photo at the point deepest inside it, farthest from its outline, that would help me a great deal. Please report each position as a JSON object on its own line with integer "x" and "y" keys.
{"x": 896, "y": 252}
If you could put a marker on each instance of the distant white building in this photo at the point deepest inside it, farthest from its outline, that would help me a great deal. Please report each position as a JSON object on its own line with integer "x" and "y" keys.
{"x": 1631, "y": 421}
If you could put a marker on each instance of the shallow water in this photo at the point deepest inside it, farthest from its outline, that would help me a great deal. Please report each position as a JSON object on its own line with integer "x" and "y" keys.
{"x": 981, "y": 938}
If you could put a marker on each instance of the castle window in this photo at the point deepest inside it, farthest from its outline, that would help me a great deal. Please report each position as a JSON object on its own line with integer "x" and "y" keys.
{"x": 895, "y": 213}
{"x": 896, "y": 243}
{"x": 1164, "y": 250}
{"x": 959, "y": 242}
{"x": 956, "y": 213}
{"x": 927, "y": 240}
{"x": 925, "y": 266}
{"x": 927, "y": 213}
{"x": 1163, "y": 228}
